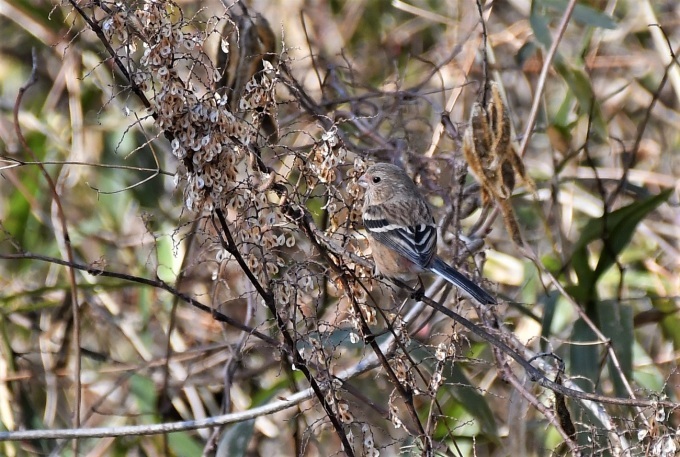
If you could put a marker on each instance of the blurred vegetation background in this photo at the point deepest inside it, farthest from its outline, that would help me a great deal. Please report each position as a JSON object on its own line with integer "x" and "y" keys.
{"x": 119, "y": 341}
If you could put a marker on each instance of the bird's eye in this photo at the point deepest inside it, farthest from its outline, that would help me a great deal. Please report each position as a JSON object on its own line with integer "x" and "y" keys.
{"x": 376, "y": 179}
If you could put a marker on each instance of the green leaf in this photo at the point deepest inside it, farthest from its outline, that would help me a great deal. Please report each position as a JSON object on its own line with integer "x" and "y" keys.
{"x": 586, "y": 278}
{"x": 469, "y": 397}
{"x": 670, "y": 324}
{"x": 583, "y": 14}
{"x": 585, "y": 357}
{"x": 234, "y": 441}
{"x": 18, "y": 214}
{"x": 621, "y": 225}
{"x": 576, "y": 78}
{"x": 168, "y": 263}
{"x": 648, "y": 374}
{"x": 539, "y": 24}
{"x": 550, "y": 307}
{"x": 616, "y": 322}
{"x": 616, "y": 229}
{"x": 183, "y": 444}
{"x": 579, "y": 84}
{"x": 561, "y": 119}
{"x": 264, "y": 395}
{"x": 461, "y": 391}
{"x": 144, "y": 390}
{"x": 20, "y": 221}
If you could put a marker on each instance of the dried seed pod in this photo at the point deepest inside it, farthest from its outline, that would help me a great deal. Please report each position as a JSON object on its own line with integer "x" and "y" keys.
{"x": 491, "y": 156}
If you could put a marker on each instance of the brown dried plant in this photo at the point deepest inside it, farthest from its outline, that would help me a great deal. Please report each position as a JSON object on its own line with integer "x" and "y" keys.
{"x": 275, "y": 303}
{"x": 255, "y": 194}
{"x": 247, "y": 42}
{"x": 491, "y": 155}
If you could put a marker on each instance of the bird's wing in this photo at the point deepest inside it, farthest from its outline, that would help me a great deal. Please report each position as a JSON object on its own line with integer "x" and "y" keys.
{"x": 417, "y": 242}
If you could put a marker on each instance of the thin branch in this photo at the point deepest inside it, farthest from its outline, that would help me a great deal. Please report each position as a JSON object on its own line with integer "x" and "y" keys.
{"x": 538, "y": 94}
{"x": 535, "y": 374}
{"x": 230, "y": 245}
{"x": 156, "y": 429}
{"x": 149, "y": 282}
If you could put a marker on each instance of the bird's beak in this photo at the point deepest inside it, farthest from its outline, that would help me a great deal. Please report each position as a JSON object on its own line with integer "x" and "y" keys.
{"x": 363, "y": 182}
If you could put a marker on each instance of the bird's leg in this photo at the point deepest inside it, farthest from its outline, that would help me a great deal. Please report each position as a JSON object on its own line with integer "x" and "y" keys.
{"x": 418, "y": 292}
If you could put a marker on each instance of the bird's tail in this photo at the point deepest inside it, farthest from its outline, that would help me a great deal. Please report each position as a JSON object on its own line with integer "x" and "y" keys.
{"x": 464, "y": 284}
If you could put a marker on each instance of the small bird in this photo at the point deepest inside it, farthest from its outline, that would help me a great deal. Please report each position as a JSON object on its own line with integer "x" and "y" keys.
{"x": 403, "y": 235}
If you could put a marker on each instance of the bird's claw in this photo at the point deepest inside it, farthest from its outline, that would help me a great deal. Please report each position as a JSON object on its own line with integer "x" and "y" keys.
{"x": 418, "y": 293}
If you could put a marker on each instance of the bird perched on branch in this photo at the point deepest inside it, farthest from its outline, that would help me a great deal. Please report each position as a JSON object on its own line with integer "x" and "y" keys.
{"x": 402, "y": 232}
